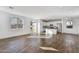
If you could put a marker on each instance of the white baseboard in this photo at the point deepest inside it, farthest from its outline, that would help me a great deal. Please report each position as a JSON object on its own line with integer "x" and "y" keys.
{"x": 4, "y": 37}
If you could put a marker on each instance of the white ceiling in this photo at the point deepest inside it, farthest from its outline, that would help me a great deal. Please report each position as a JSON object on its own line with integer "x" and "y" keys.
{"x": 47, "y": 11}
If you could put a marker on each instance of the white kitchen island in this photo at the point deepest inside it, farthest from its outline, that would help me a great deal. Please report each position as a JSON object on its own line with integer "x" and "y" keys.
{"x": 51, "y": 31}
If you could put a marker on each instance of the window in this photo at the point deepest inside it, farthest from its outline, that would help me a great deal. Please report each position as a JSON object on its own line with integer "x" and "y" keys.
{"x": 16, "y": 23}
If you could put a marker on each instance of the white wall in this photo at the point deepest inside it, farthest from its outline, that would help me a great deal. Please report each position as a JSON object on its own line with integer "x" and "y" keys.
{"x": 6, "y": 31}
{"x": 76, "y": 19}
{"x": 74, "y": 30}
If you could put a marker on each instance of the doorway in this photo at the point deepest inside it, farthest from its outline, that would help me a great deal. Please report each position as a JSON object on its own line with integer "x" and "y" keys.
{"x": 59, "y": 25}
{"x": 33, "y": 27}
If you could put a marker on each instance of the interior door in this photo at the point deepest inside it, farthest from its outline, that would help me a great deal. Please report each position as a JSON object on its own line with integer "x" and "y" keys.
{"x": 59, "y": 25}
{"x": 34, "y": 27}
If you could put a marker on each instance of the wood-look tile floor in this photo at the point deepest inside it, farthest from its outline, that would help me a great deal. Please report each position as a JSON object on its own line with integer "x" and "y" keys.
{"x": 65, "y": 43}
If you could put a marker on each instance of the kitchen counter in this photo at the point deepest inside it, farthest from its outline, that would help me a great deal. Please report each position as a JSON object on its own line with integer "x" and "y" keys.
{"x": 54, "y": 27}
{"x": 51, "y": 31}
